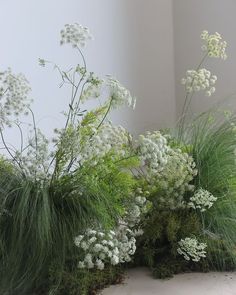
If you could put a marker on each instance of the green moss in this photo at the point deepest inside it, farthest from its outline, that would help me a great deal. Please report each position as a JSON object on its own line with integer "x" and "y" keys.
{"x": 157, "y": 248}
{"x": 84, "y": 282}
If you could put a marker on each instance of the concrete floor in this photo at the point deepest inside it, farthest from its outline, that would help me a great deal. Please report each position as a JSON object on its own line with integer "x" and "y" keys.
{"x": 140, "y": 282}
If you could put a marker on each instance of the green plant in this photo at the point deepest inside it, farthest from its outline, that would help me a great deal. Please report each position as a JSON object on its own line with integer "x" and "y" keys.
{"x": 213, "y": 144}
{"x": 53, "y": 190}
{"x": 84, "y": 282}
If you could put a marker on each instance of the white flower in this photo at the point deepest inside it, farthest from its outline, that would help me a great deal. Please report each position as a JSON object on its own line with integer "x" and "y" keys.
{"x": 119, "y": 94}
{"x": 97, "y": 247}
{"x": 153, "y": 150}
{"x": 101, "y": 234}
{"x": 174, "y": 179}
{"x": 75, "y": 34}
{"x": 112, "y": 232}
{"x": 202, "y": 200}
{"x": 36, "y": 157}
{"x": 14, "y": 91}
{"x": 110, "y": 243}
{"x": 92, "y": 240}
{"x": 214, "y": 46}
{"x": 92, "y": 89}
{"x": 81, "y": 264}
{"x": 108, "y": 138}
{"x": 88, "y": 257}
{"x": 114, "y": 246}
{"x": 114, "y": 260}
{"x": 99, "y": 264}
{"x": 199, "y": 80}
{"x": 78, "y": 240}
{"x": 140, "y": 200}
{"x": 91, "y": 232}
{"x": 84, "y": 245}
{"x": 102, "y": 256}
{"x": 191, "y": 249}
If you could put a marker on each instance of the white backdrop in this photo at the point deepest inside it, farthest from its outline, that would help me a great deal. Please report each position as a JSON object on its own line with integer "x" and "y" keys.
{"x": 190, "y": 18}
{"x": 133, "y": 42}
{"x": 148, "y": 45}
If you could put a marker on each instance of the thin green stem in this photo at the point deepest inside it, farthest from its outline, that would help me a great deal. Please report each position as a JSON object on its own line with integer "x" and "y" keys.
{"x": 107, "y": 111}
{"x": 187, "y": 102}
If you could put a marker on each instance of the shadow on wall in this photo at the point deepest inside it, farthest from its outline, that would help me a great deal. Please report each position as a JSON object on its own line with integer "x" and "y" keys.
{"x": 190, "y": 19}
{"x": 148, "y": 47}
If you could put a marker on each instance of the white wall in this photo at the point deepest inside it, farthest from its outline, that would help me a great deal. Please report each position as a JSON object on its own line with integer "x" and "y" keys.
{"x": 133, "y": 41}
{"x": 190, "y": 18}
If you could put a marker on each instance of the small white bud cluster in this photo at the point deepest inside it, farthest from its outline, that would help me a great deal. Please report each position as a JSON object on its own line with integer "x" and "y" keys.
{"x": 108, "y": 138}
{"x": 174, "y": 180}
{"x": 120, "y": 96}
{"x": 75, "y": 34}
{"x": 42, "y": 62}
{"x": 214, "y": 46}
{"x": 100, "y": 248}
{"x": 153, "y": 151}
{"x": 14, "y": 90}
{"x": 202, "y": 199}
{"x": 199, "y": 80}
{"x": 191, "y": 249}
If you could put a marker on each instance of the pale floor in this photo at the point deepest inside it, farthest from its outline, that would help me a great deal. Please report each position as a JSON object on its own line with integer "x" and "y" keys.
{"x": 140, "y": 282}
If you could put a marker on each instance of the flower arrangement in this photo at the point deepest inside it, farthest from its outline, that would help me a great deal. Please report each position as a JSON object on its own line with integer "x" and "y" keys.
{"x": 75, "y": 209}
{"x": 54, "y": 189}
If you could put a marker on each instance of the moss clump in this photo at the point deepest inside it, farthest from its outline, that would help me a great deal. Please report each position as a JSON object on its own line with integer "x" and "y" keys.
{"x": 82, "y": 281}
{"x": 162, "y": 231}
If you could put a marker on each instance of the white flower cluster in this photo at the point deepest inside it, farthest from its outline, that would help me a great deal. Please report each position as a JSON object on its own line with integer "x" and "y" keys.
{"x": 214, "y": 46}
{"x": 174, "y": 180}
{"x": 93, "y": 88}
{"x": 100, "y": 248}
{"x": 153, "y": 151}
{"x": 107, "y": 138}
{"x": 119, "y": 94}
{"x": 191, "y": 249}
{"x": 202, "y": 199}
{"x": 135, "y": 208}
{"x": 199, "y": 80}
{"x": 36, "y": 158}
{"x": 75, "y": 34}
{"x": 14, "y": 90}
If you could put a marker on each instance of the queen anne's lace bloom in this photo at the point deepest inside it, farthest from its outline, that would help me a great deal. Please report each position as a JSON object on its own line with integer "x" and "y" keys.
{"x": 135, "y": 208}
{"x": 75, "y": 34}
{"x": 92, "y": 88}
{"x": 14, "y": 91}
{"x": 100, "y": 248}
{"x": 191, "y": 249}
{"x": 214, "y": 46}
{"x": 199, "y": 80}
{"x": 174, "y": 180}
{"x": 105, "y": 139}
{"x": 35, "y": 160}
{"x": 119, "y": 94}
{"x": 202, "y": 199}
{"x": 153, "y": 151}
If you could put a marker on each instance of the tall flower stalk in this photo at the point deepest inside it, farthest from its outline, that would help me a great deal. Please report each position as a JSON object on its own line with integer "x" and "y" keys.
{"x": 201, "y": 79}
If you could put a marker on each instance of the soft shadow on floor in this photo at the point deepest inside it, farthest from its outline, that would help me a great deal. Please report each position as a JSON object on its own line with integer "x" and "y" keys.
{"x": 140, "y": 282}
